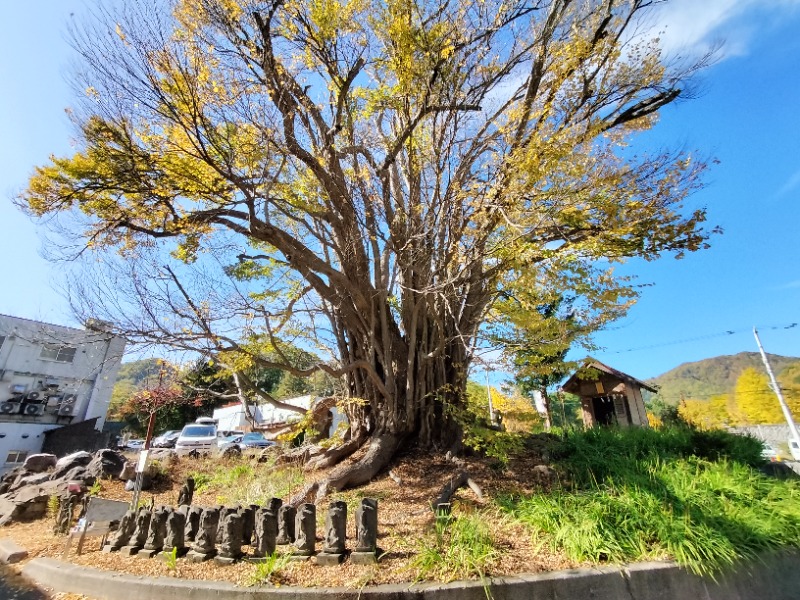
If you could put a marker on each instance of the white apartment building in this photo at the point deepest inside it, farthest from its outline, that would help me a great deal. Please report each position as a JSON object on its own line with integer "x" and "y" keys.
{"x": 51, "y": 376}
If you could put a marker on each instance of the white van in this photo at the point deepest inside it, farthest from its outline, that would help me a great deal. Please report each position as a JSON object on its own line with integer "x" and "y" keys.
{"x": 794, "y": 449}
{"x": 200, "y": 436}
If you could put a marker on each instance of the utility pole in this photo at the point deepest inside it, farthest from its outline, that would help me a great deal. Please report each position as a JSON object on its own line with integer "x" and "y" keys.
{"x": 777, "y": 389}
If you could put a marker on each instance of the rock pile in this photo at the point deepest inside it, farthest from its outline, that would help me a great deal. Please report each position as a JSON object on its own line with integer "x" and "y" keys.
{"x": 25, "y": 491}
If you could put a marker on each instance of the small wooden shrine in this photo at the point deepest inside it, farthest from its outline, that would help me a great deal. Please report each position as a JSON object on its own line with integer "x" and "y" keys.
{"x": 608, "y": 396}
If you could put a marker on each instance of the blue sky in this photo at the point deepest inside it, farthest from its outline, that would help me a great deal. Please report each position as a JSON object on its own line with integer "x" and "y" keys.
{"x": 746, "y": 117}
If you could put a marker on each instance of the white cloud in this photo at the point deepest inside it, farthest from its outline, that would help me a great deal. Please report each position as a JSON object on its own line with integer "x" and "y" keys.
{"x": 694, "y": 26}
{"x": 791, "y": 184}
{"x": 791, "y": 285}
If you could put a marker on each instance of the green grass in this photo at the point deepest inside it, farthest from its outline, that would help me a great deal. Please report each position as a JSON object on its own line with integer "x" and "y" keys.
{"x": 676, "y": 493}
{"x": 268, "y": 571}
{"x": 171, "y": 559}
{"x": 460, "y": 547}
{"x": 592, "y": 455}
{"x": 246, "y": 483}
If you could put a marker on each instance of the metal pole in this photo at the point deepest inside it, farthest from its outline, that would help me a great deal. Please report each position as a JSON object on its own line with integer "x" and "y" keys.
{"x": 777, "y": 389}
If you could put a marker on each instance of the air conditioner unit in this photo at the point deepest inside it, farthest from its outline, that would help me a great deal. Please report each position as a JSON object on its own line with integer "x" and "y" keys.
{"x": 69, "y": 399}
{"x": 10, "y": 408}
{"x": 33, "y": 410}
{"x": 99, "y": 325}
{"x": 18, "y": 388}
{"x": 66, "y": 410}
{"x": 32, "y": 396}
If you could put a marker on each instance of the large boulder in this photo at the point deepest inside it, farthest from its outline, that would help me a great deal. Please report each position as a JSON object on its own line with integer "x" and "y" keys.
{"x": 128, "y": 471}
{"x": 106, "y": 463}
{"x": 147, "y": 483}
{"x": 7, "y": 480}
{"x": 30, "y": 500}
{"x": 28, "y": 503}
{"x": 7, "y": 508}
{"x": 26, "y": 480}
{"x": 77, "y": 473}
{"x": 69, "y": 462}
{"x": 149, "y": 475}
{"x": 162, "y": 453}
{"x": 39, "y": 463}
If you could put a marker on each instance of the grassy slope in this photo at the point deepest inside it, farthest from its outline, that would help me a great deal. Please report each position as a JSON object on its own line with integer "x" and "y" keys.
{"x": 677, "y": 493}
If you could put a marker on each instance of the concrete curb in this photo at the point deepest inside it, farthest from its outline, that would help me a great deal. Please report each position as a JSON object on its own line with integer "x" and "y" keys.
{"x": 10, "y": 552}
{"x": 776, "y": 577}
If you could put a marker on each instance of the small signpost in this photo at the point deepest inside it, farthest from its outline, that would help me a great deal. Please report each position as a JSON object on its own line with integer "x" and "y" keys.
{"x": 141, "y": 465}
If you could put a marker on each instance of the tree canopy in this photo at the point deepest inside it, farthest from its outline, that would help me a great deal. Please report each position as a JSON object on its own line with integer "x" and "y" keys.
{"x": 386, "y": 174}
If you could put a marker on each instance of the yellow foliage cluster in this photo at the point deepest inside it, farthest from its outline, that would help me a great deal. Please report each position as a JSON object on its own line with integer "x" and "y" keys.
{"x": 753, "y": 402}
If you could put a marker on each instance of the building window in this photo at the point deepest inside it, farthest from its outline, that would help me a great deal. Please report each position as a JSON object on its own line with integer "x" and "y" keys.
{"x": 65, "y": 354}
{"x": 16, "y": 456}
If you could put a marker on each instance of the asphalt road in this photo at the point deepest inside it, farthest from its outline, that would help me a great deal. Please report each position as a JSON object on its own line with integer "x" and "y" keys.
{"x": 14, "y": 587}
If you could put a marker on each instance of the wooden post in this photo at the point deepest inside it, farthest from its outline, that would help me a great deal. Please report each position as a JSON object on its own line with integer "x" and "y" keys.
{"x": 151, "y": 425}
{"x": 82, "y": 536}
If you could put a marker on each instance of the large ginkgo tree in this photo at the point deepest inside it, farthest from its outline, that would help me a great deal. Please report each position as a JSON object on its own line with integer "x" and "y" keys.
{"x": 390, "y": 174}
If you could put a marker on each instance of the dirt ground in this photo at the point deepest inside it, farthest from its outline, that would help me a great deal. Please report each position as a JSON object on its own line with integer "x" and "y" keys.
{"x": 405, "y": 517}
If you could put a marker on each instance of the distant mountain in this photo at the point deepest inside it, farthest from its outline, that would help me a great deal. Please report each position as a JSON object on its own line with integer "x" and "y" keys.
{"x": 713, "y": 376}
{"x": 132, "y": 377}
{"x": 140, "y": 372}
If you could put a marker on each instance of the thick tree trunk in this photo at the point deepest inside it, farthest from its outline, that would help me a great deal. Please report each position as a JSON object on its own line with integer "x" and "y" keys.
{"x": 406, "y": 381}
{"x": 424, "y": 415}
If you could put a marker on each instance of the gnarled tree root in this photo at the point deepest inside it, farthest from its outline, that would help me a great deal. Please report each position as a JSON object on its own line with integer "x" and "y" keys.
{"x": 460, "y": 479}
{"x": 335, "y": 455}
{"x": 380, "y": 452}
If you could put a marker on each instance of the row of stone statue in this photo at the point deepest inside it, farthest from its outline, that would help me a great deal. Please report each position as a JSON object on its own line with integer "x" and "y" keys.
{"x": 220, "y": 532}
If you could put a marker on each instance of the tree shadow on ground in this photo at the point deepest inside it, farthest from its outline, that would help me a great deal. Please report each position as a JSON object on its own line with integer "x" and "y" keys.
{"x": 16, "y": 587}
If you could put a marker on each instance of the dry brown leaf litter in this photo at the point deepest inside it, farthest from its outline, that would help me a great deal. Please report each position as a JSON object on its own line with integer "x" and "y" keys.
{"x": 405, "y": 518}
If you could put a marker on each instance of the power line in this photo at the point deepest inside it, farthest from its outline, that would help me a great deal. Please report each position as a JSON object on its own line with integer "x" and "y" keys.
{"x": 701, "y": 338}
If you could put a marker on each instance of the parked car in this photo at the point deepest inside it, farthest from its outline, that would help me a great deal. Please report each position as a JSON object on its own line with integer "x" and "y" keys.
{"x": 227, "y": 440}
{"x": 769, "y": 453}
{"x": 227, "y": 433}
{"x": 200, "y": 436}
{"x": 248, "y": 440}
{"x": 794, "y": 449}
{"x": 166, "y": 439}
{"x": 134, "y": 445}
